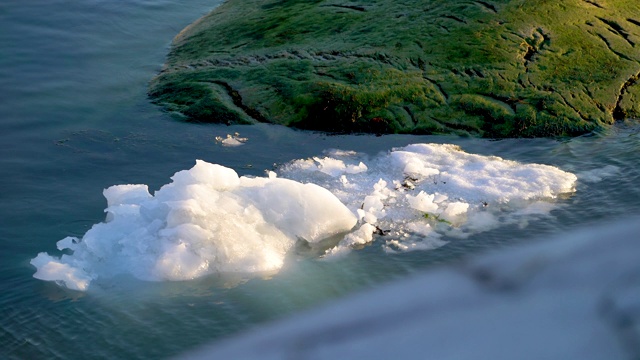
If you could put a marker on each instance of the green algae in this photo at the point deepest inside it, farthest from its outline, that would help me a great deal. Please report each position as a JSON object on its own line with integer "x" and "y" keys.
{"x": 487, "y": 68}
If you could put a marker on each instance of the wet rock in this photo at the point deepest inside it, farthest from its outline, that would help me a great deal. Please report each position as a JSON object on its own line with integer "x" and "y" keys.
{"x": 501, "y": 68}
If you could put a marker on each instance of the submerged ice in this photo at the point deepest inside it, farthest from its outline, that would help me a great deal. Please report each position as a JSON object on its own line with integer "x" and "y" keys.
{"x": 210, "y": 220}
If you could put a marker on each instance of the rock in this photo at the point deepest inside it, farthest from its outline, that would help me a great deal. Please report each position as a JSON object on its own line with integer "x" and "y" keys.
{"x": 576, "y": 296}
{"x": 499, "y": 68}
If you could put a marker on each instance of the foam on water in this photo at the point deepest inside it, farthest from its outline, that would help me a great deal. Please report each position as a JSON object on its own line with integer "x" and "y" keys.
{"x": 210, "y": 220}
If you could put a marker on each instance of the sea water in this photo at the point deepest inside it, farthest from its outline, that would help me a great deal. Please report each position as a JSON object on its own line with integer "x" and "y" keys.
{"x": 75, "y": 120}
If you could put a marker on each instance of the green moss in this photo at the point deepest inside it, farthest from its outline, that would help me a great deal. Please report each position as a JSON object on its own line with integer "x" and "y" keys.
{"x": 437, "y": 218}
{"x": 499, "y": 68}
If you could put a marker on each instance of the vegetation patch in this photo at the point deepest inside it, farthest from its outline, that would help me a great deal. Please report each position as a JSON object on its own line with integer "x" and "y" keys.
{"x": 500, "y": 68}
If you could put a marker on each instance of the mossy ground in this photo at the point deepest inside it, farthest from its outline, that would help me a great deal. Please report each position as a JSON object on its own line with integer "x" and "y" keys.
{"x": 500, "y": 68}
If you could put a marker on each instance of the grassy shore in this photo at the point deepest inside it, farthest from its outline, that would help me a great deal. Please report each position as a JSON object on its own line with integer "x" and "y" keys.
{"x": 499, "y": 68}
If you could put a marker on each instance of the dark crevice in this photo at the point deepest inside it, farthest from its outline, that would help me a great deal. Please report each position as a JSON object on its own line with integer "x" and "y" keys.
{"x": 452, "y": 17}
{"x": 237, "y": 101}
{"x": 615, "y": 28}
{"x": 437, "y": 121}
{"x": 413, "y": 118}
{"x": 528, "y": 56}
{"x": 473, "y": 73}
{"x": 594, "y": 4}
{"x": 351, "y": 7}
{"x": 619, "y": 54}
{"x": 593, "y": 99}
{"x": 507, "y": 100}
{"x": 536, "y": 43}
{"x": 240, "y": 45}
{"x": 319, "y": 73}
{"x": 546, "y": 40}
{"x": 530, "y": 52}
{"x": 488, "y": 6}
{"x": 420, "y": 64}
{"x": 618, "y": 112}
{"x": 588, "y": 92}
{"x": 634, "y": 22}
{"x": 577, "y": 111}
{"x": 521, "y": 82}
{"x": 444, "y": 93}
{"x": 461, "y": 127}
{"x": 516, "y": 35}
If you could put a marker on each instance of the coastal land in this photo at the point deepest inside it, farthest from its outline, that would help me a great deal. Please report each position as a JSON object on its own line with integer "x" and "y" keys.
{"x": 499, "y": 68}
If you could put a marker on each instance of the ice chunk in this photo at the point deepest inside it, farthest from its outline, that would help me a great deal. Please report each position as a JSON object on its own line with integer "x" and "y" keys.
{"x": 455, "y": 209}
{"x": 51, "y": 269}
{"x": 331, "y": 166}
{"x": 362, "y": 236}
{"x": 208, "y": 220}
{"x": 457, "y": 194}
{"x": 231, "y": 140}
{"x": 423, "y": 202}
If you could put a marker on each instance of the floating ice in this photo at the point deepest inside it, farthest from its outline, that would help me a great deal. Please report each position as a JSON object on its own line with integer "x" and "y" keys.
{"x": 231, "y": 140}
{"x": 417, "y": 194}
{"x": 210, "y": 220}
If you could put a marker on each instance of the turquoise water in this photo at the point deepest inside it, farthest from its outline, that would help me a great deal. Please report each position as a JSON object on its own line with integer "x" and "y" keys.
{"x": 75, "y": 119}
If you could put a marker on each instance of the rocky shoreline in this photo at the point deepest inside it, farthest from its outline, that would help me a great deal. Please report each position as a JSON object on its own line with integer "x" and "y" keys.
{"x": 501, "y": 68}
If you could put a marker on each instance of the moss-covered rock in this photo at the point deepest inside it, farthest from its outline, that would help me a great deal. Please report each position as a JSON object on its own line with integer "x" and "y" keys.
{"x": 497, "y": 68}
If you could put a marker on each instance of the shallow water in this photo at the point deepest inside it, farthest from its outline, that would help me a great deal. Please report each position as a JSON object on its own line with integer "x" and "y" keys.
{"x": 75, "y": 119}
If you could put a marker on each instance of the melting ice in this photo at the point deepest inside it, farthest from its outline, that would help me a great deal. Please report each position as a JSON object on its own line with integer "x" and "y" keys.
{"x": 210, "y": 220}
{"x": 418, "y": 194}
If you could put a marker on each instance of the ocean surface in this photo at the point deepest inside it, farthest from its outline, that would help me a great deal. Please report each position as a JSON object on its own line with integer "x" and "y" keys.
{"x": 75, "y": 119}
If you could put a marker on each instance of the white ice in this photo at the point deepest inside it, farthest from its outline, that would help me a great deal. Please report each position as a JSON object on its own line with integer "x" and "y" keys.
{"x": 210, "y": 220}
{"x": 455, "y": 193}
{"x": 231, "y": 140}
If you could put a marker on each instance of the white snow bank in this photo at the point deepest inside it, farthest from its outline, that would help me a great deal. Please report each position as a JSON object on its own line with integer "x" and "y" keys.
{"x": 207, "y": 220}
